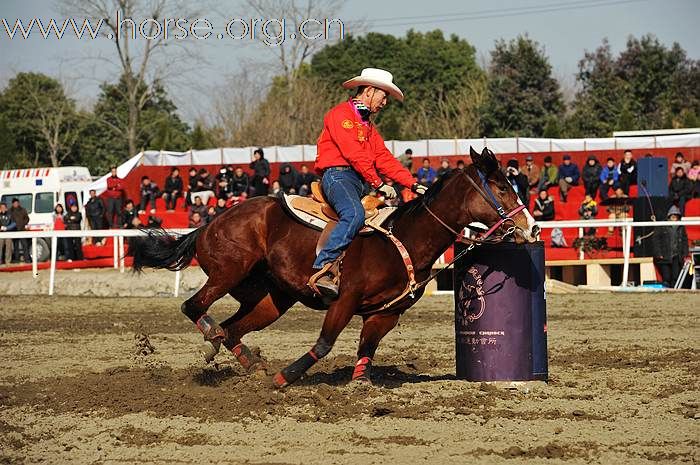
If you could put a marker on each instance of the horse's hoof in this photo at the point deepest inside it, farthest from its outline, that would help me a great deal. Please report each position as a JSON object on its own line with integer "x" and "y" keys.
{"x": 279, "y": 380}
{"x": 208, "y": 351}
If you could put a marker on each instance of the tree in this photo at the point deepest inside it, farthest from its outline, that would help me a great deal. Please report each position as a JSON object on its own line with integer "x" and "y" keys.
{"x": 42, "y": 121}
{"x": 292, "y": 46}
{"x": 142, "y": 62}
{"x": 8, "y": 150}
{"x": 647, "y": 86}
{"x": 433, "y": 72}
{"x": 522, "y": 94}
{"x": 159, "y": 126}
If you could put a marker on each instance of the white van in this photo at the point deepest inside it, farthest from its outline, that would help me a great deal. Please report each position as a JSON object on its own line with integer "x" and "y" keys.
{"x": 40, "y": 189}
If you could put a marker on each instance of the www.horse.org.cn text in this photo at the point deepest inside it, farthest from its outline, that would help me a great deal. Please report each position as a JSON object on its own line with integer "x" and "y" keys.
{"x": 271, "y": 31}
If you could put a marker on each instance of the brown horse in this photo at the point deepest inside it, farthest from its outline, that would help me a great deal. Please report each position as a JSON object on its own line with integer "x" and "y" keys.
{"x": 260, "y": 255}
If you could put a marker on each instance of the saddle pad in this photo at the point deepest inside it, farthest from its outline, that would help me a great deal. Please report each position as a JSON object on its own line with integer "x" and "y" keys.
{"x": 308, "y": 212}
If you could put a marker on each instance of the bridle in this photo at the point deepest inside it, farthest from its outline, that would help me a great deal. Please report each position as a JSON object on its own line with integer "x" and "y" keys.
{"x": 487, "y": 238}
{"x": 505, "y": 217}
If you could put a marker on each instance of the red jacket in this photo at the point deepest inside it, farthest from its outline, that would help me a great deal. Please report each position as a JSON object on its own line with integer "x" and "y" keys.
{"x": 348, "y": 141}
{"x": 115, "y": 187}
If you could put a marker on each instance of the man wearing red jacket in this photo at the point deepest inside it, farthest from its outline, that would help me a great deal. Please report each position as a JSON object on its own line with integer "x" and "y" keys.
{"x": 113, "y": 196}
{"x": 350, "y": 150}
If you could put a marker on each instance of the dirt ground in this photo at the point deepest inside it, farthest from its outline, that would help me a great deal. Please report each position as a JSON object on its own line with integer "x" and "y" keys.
{"x": 80, "y": 384}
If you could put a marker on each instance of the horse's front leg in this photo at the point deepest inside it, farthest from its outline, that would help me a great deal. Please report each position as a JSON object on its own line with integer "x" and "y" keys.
{"x": 337, "y": 318}
{"x": 374, "y": 328}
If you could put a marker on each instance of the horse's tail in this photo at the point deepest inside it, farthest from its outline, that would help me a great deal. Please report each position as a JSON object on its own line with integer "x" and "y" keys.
{"x": 159, "y": 249}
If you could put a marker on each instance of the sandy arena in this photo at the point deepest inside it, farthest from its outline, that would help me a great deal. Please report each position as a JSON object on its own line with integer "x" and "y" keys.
{"x": 119, "y": 380}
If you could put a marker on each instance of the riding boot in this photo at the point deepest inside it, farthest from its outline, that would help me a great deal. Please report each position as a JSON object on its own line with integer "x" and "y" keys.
{"x": 327, "y": 281}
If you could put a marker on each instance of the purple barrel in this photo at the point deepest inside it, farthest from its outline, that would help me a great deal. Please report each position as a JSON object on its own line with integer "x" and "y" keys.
{"x": 500, "y": 313}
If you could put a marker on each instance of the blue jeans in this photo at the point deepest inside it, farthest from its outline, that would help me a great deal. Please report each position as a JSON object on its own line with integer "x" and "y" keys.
{"x": 343, "y": 189}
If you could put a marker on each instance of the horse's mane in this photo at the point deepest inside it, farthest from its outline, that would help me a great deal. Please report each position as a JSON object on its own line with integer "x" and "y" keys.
{"x": 412, "y": 207}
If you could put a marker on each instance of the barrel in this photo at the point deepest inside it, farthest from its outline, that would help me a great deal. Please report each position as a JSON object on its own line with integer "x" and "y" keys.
{"x": 500, "y": 313}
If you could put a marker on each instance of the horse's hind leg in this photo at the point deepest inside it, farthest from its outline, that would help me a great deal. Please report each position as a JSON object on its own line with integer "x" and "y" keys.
{"x": 195, "y": 308}
{"x": 253, "y": 316}
{"x": 374, "y": 328}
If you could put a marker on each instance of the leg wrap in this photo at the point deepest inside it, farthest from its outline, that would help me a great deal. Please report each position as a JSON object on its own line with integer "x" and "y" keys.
{"x": 243, "y": 354}
{"x": 362, "y": 369}
{"x": 321, "y": 348}
{"x": 210, "y": 328}
{"x": 294, "y": 371}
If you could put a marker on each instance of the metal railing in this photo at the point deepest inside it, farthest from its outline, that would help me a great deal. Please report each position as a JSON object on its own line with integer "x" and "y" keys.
{"x": 120, "y": 234}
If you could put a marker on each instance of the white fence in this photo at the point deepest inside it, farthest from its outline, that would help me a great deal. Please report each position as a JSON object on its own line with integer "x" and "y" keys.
{"x": 119, "y": 235}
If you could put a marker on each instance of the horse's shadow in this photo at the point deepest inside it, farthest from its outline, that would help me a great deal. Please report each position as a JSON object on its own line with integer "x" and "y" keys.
{"x": 390, "y": 377}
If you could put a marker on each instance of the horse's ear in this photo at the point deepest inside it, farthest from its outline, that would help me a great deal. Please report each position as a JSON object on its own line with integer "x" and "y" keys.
{"x": 485, "y": 161}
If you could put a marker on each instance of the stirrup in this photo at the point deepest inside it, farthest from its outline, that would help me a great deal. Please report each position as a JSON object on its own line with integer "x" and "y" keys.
{"x": 333, "y": 268}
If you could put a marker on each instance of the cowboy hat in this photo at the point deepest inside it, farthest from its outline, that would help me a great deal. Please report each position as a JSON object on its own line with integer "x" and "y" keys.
{"x": 376, "y": 78}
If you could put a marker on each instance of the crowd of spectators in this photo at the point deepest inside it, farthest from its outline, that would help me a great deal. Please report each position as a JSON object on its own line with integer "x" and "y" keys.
{"x": 231, "y": 185}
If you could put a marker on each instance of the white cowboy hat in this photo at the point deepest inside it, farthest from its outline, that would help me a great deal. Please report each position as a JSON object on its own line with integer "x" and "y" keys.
{"x": 376, "y": 78}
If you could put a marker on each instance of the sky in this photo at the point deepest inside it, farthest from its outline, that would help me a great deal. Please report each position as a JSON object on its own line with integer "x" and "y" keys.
{"x": 565, "y": 28}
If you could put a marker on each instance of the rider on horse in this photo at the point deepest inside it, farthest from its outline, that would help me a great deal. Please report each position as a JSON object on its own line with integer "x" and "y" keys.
{"x": 350, "y": 152}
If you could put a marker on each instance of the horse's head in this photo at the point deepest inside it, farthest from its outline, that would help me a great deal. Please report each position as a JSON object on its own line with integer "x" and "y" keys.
{"x": 494, "y": 202}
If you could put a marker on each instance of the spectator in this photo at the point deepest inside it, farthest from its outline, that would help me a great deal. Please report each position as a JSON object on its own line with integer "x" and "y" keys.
{"x": 195, "y": 220}
{"x": 172, "y": 189}
{"x": 680, "y": 163}
{"x": 693, "y": 175}
{"x": 149, "y": 193}
{"x": 211, "y": 213}
{"x": 627, "y": 172}
{"x": 670, "y": 248}
{"x": 204, "y": 188}
{"x": 224, "y": 184}
{"x": 608, "y": 178}
{"x": 543, "y": 209}
{"x": 224, "y": 173}
{"x": 153, "y": 222}
{"x": 426, "y": 174}
{"x": 95, "y": 213}
{"x": 407, "y": 159}
{"x": 21, "y": 218}
{"x": 680, "y": 189}
{"x": 276, "y": 190}
{"x": 136, "y": 223}
{"x": 200, "y": 208}
{"x": 6, "y": 224}
{"x": 568, "y": 176}
{"x": 192, "y": 186}
{"x": 261, "y": 173}
{"x": 59, "y": 225}
{"x": 306, "y": 177}
{"x": 113, "y": 197}
{"x": 240, "y": 183}
{"x": 444, "y": 169}
{"x": 591, "y": 176}
{"x": 288, "y": 179}
{"x": 128, "y": 215}
{"x": 619, "y": 208}
{"x": 518, "y": 181}
{"x": 549, "y": 174}
{"x": 73, "y": 245}
{"x": 588, "y": 210}
{"x": 220, "y": 207}
{"x": 532, "y": 172}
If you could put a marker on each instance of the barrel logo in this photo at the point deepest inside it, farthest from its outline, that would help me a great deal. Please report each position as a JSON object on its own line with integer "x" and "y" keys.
{"x": 471, "y": 296}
